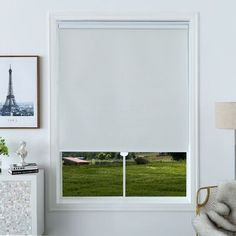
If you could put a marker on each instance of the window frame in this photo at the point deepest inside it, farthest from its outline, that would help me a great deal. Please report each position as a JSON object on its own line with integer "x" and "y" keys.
{"x": 57, "y": 202}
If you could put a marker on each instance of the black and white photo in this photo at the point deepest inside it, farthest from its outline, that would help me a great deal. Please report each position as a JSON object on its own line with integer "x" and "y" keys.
{"x": 19, "y": 91}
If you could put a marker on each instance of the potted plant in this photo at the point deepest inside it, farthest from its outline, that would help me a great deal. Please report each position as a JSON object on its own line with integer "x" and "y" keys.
{"x": 3, "y": 150}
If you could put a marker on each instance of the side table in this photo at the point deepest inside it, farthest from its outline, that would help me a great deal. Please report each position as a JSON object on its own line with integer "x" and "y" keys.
{"x": 22, "y": 203}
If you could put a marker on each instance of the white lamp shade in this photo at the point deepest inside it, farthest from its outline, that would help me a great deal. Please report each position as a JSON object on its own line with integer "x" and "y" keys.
{"x": 225, "y": 115}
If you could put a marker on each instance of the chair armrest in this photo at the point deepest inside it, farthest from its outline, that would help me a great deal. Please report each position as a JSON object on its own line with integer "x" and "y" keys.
{"x": 199, "y": 204}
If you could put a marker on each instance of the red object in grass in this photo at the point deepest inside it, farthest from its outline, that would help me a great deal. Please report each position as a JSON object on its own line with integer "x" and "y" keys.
{"x": 75, "y": 161}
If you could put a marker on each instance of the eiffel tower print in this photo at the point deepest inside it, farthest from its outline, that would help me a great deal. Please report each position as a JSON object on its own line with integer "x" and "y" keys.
{"x": 10, "y": 107}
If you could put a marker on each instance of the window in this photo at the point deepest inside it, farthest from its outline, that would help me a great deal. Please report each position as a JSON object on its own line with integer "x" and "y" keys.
{"x": 123, "y": 85}
{"x": 89, "y": 174}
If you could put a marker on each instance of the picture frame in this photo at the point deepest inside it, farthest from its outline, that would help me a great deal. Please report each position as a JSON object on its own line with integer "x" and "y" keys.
{"x": 19, "y": 92}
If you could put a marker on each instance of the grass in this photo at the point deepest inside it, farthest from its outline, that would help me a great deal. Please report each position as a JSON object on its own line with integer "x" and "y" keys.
{"x": 92, "y": 180}
{"x": 156, "y": 178}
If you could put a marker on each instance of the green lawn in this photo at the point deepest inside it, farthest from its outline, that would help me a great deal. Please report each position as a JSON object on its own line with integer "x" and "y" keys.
{"x": 153, "y": 179}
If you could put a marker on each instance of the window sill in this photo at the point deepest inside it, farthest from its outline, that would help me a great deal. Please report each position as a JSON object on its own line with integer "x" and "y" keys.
{"x": 123, "y": 204}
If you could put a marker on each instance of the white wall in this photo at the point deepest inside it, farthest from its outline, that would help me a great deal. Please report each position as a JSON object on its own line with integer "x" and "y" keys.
{"x": 24, "y": 30}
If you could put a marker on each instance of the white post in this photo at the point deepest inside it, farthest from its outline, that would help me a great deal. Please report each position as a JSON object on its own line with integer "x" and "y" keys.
{"x": 124, "y": 154}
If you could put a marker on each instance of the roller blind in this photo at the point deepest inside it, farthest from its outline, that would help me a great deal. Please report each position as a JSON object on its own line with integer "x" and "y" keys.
{"x": 123, "y": 88}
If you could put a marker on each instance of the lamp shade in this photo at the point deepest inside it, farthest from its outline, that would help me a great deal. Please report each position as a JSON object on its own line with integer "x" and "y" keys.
{"x": 225, "y": 115}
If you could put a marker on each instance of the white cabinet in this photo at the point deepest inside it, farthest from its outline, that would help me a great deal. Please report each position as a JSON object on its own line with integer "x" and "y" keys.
{"x": 22, "y": 204}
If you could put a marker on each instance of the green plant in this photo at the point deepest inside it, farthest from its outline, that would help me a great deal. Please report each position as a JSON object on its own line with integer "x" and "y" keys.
{"x": 3, "y": 147}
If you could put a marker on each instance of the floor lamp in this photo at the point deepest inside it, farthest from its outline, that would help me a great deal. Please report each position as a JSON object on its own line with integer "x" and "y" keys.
{"x": 225, "y": 114}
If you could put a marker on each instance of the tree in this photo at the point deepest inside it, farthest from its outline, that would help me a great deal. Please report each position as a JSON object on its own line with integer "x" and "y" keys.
{"x": 141, "y": 160}
{"x": 177, "y": 156}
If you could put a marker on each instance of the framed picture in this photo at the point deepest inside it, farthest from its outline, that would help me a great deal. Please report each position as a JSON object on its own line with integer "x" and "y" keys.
{"x": 19, "y": 92}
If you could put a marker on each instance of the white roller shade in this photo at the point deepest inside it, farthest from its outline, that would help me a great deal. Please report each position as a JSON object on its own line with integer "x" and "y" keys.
{"x": 123, "y": 88}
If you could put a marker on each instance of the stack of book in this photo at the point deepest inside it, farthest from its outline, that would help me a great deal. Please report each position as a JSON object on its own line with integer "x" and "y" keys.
{"x": 17, "y": 169}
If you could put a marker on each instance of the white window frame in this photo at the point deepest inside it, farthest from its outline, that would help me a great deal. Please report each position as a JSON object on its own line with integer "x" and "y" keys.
{"x": 57, "y": 202}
